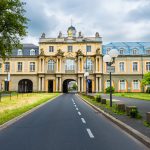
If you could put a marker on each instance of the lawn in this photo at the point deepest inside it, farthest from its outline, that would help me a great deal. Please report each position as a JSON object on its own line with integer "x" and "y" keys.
{"x": 141, "y": 96}
{"x": 21, "y": 103}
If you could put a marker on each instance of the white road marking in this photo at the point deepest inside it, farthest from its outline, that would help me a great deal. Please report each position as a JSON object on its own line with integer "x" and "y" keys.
{"x": 75, "y": 105}
{"x": 77, "y": 109}
{"x": 115, "y": 100}
{"x": 90, "y": 133}
{"x": 72, "y": 99}
{"x": 83, "y": 120}
{"x": 79, "y": 113}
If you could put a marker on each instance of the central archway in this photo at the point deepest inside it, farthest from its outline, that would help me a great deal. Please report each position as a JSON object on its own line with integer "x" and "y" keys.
{"x": 66, "y": 85}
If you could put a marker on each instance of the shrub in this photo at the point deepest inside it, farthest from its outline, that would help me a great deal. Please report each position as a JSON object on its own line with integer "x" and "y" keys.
{"x": 108, "y": 89}
{"x": 148, "y": 90}
{"x": 98, "y": 98}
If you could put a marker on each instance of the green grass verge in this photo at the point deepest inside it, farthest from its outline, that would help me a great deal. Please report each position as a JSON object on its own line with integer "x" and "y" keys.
{"x": 146, "y": 124}
{"x": 140, "y": 96}
{"x": 9, "y": 114}
{"x": 103, "y": 106}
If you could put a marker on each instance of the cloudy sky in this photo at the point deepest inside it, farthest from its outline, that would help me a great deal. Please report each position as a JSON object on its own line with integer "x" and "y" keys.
{"x": 115, "y": 20}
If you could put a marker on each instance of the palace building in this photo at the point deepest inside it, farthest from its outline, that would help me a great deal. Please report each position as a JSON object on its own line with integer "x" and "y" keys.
{"x": 57, "y": 61}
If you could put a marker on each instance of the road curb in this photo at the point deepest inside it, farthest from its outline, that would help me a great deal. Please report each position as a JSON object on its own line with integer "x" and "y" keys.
{"x": 12, "y": 121}
{"x": 136, "y": 134}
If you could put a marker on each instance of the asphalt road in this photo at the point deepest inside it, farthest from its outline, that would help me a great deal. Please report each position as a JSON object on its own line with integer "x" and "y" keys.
{"x": 66, "y": 123}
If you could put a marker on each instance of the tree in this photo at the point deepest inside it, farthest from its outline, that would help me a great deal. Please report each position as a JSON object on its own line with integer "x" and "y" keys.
{"x": 12, "y": 26}
{"x": 146, "y": 79}
{"x": 74, "y": 87}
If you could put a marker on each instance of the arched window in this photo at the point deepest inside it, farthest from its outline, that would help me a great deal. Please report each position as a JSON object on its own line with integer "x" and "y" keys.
{"x": 51, "y": 65}
{"x": 70, "y": 64}
{"x": 19, "y": 52}
{"x": 32, "y": 52}
{"x": 134, "y": 51}
{"x": 89, "y": 64}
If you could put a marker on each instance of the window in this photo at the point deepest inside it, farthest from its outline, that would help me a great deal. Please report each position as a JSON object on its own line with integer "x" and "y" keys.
{"x": 20, "y": 66}
{"x": 107, "y": 83}
{"x": 19, "y": 52}
{"x": 89, "y": 64}
{"x": 121, "y": 66}
{"x": 51, "y": 65}
{"x": 147, "y": 66}
{"x": 135, "y": 66}
{"x": 69, "y": 48}
{"x": 70, "y": 64}
{"x": 135, "y": 51}
{"x": 122, "y": 85}
{"x": 135, "y": 84}
{"x": 32, "y": 52}
{"x": 32, "y": 66}
{"x": 7, "y": 66}
{"x": 107, "y": 51}
{"x": 148, "y": 52}
{"x": 0, "y": 68}
{"x": 88, "y": 48}
{"x": 51, "y": 48}
{"x": 121, "y": 51}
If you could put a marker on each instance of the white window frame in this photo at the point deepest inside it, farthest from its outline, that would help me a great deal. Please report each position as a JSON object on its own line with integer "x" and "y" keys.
{"x": 88, "y": 48}
{"x": 19, "y": 66}
{"x": 134, "y": 51}
{"x": 70, "y": 48}
{"x": 19, "y": 53}
{"x": 51, "y": 65}
{"x": 7, "y": 66}
{"x": 32, "y": 52}
{"x": 107, "y": 83}
{"x": 147, "y": 66}
{"x": 122, "y": 68}
{"x": 133, "y": 69}
{"x": 70, "y": 64}
{"x": 135, "y": 84}
{"x": 121, "y": 50}
{"x": 32, "y": 66}
{"x": 89, "y": 64}
{"x": 51, "y": 48}
{"x": 122, "y": 84}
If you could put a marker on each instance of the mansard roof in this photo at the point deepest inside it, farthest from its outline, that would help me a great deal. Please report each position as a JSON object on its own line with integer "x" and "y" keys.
{"x": 128, "y": 47}
{"x": 26, "y": 50}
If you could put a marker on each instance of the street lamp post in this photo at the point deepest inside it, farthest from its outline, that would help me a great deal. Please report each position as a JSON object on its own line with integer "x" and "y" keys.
{"x": 109, "y": 60}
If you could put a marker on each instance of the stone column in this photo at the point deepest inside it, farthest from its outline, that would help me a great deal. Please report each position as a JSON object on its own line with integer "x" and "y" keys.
{"x": 96, "y": 84}
{"x": 96, "y": 65}
{"x": 57, "y": 65}
{"x": 82, "y": 84}
{"x": 43, "y": 66}
{"x": 79, "y": 90}
{"x": 56, "y": 84}
{"x": 39, "y": 83}
{"x": 60, "y": 85}
{"x": 42, "y": 84}
{"x": 100, "y": 86}
{"x": 60, "y": 63}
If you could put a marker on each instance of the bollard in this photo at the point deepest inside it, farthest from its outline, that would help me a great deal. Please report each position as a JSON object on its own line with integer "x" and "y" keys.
{"x": 148, "y": 117}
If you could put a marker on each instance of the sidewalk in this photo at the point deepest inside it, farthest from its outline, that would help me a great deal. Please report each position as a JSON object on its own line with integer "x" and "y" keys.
{"x": 143, "y": 107}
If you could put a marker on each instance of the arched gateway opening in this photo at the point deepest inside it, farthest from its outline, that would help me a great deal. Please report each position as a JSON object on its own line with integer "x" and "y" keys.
{"x": 25, "y": 86}
{"x": 69, "y": 85}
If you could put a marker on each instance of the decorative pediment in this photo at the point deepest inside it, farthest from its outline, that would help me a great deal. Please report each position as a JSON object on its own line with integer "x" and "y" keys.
{"x": 98, "y": 51}
{"x": 60, "y": 53}
{"x": 79, "y": 53}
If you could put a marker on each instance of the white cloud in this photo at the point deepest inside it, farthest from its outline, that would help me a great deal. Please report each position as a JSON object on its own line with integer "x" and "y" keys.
{"x": 115, "y": 20}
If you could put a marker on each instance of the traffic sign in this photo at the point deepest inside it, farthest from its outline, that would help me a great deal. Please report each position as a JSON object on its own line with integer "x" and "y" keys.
{"x": 110, "y": 69}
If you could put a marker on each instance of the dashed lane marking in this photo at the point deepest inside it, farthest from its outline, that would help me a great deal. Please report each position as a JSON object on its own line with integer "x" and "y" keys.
{"x": 90, "y": 133}
{"x": 83, "y": 120}
{"x": 79, "y": 113}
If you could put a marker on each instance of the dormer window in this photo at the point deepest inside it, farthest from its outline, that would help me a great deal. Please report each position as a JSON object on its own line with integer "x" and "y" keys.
{"x": 19, "y": 52}
{"x": 134, "y": 51}
{"x": 121, "y": 51}
{"x": 32, "y": 52}
{"x": 107, "y": 51}
{"x": 148, "y": 52}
